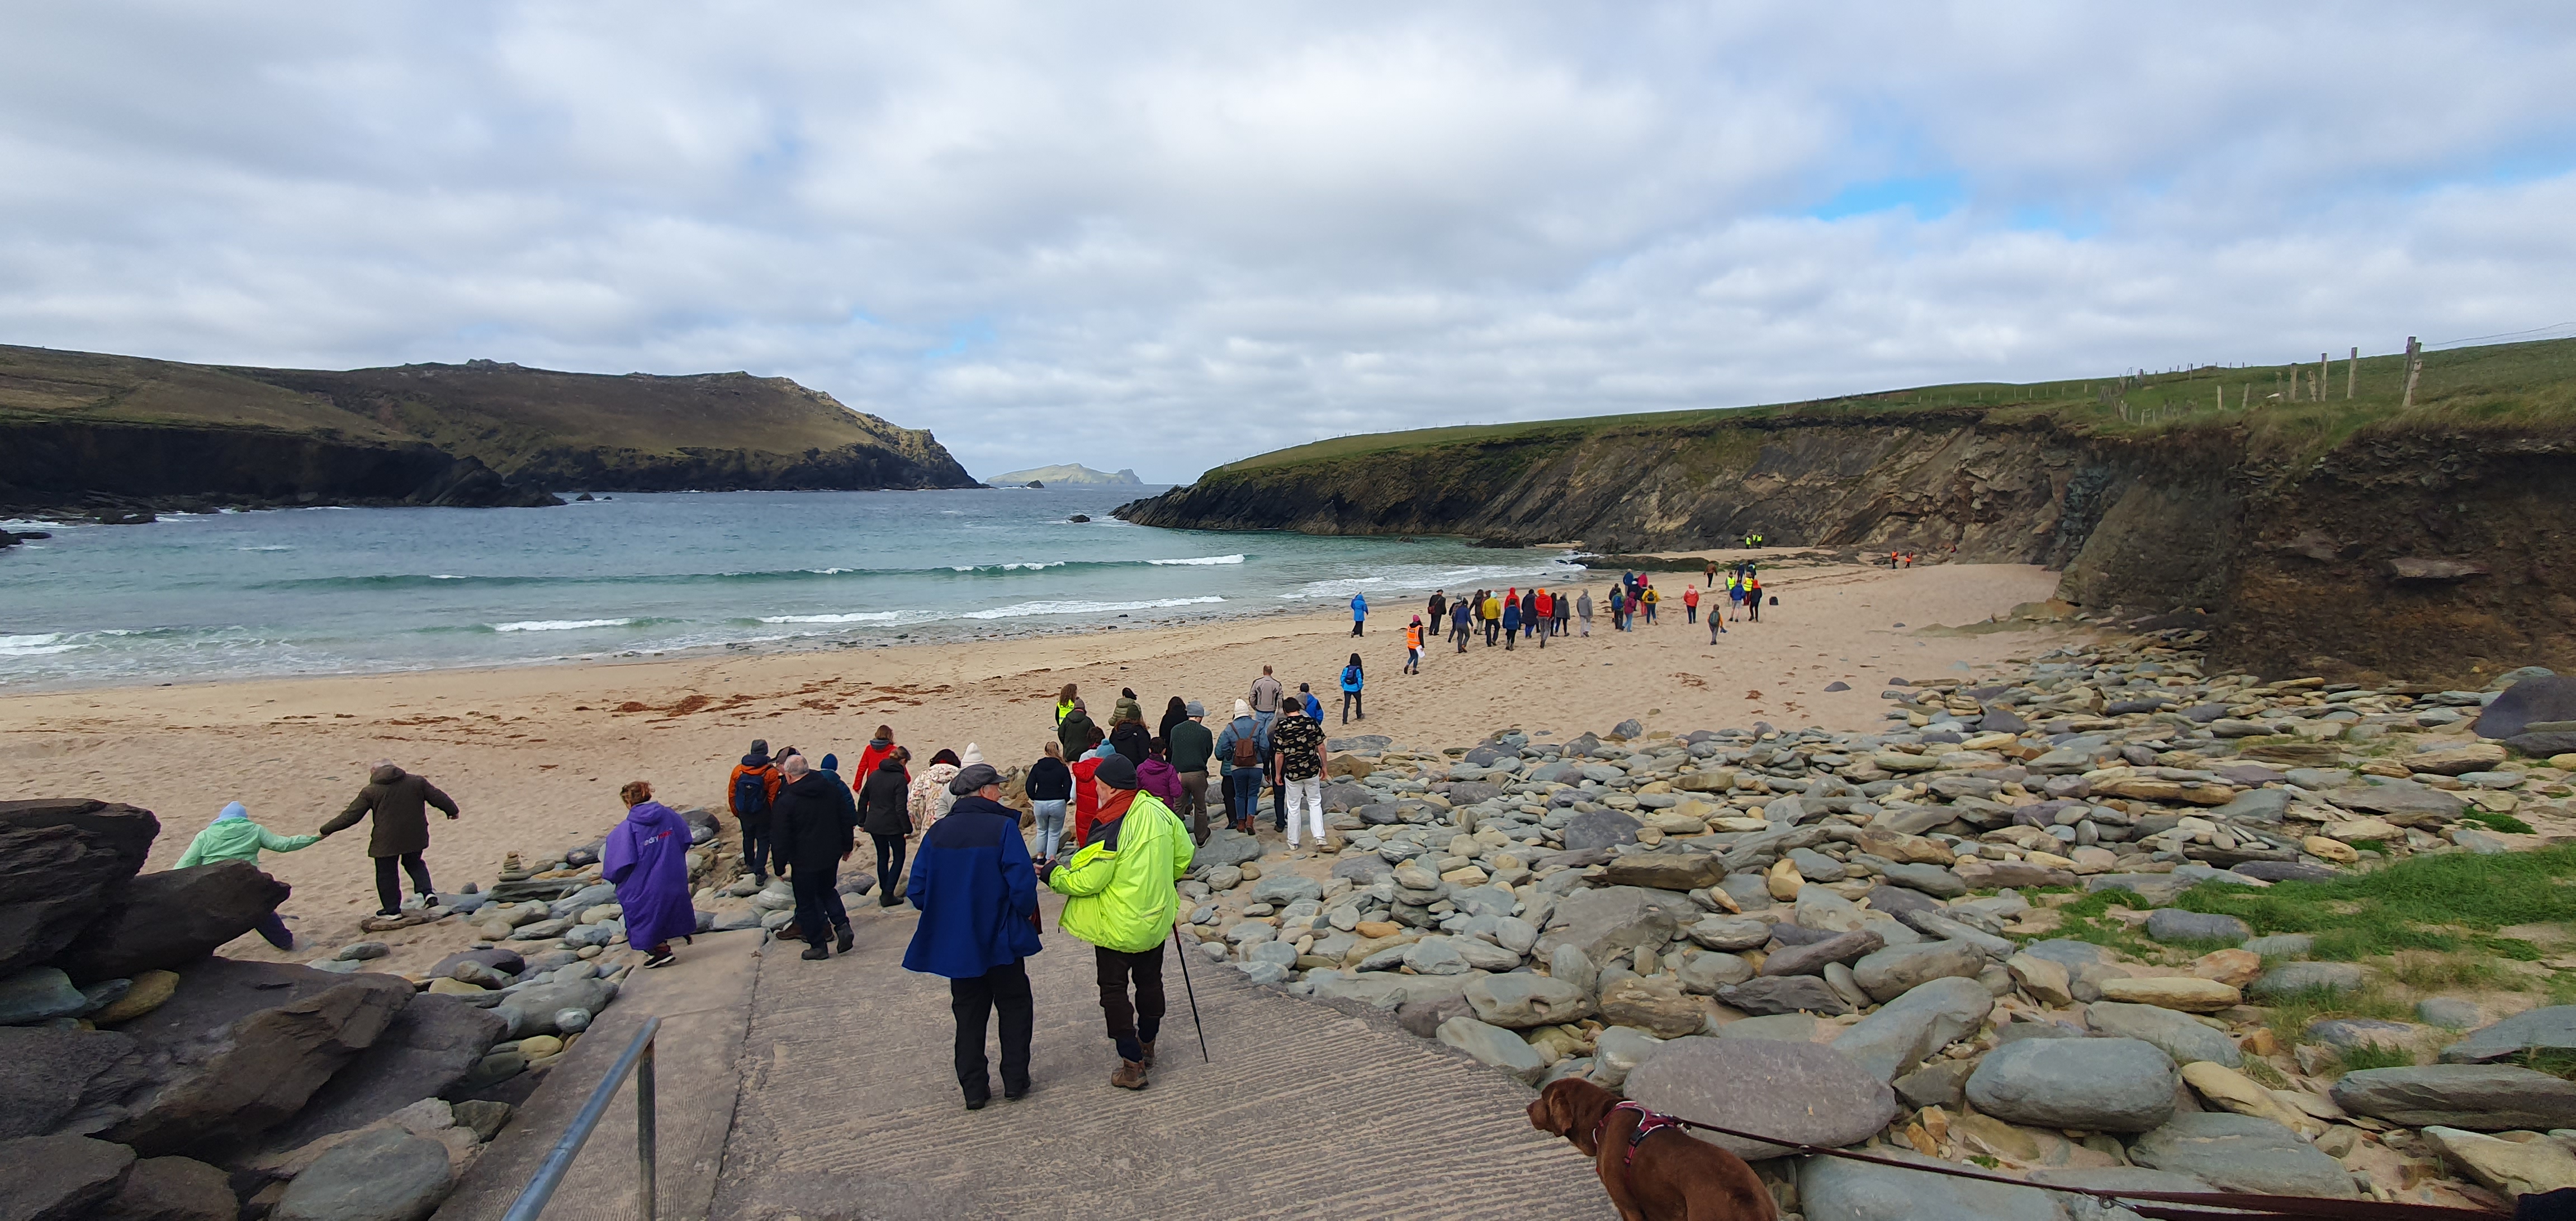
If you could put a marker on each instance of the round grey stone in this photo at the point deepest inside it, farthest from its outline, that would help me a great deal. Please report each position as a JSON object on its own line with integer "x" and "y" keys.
{"x": 2105, "y": 1085}
{"x": 1796, "y": 1091}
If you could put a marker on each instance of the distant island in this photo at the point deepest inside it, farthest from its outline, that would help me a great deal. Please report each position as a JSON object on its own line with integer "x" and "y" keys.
{"x": 96, "y": 433}
{"x": 1068, "y": 473}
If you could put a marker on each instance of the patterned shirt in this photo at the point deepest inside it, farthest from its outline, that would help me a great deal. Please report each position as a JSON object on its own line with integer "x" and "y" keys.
{"x": 1295, "y": 739}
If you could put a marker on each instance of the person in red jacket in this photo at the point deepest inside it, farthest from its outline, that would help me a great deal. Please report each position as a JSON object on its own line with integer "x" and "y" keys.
{"x": 1086, "y": 795}
{"x": 1690, "y": 601}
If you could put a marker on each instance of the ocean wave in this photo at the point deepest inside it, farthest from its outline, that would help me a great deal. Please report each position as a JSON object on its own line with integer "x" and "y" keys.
{"x": 1025, "y": 609}
{"x": 770, "y": 576}
{"x": 1236, "y": 558}
{"x": 270, "y": 547}
{"x": 852, "y": 617}
{"x": 35, "y": 646}
{"x": 1018, "y": 566}
{"x": 558, "y": 625}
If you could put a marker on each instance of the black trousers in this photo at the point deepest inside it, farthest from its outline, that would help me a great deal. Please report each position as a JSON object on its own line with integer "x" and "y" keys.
{"x": 973, "y": 1001}
{"x": 889, "y": 866}
{"x": 1492, "y": 626}
{"x": 389, "y": 884}
{"x": 755, "y": 846}
{"x": 1131, "y": 1026}
{"x": 818, "y": 902}
{"x": 1351, "y": 704}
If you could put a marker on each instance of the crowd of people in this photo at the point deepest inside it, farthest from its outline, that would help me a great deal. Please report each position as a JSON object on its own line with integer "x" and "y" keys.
{"x": 1115, "y": 814}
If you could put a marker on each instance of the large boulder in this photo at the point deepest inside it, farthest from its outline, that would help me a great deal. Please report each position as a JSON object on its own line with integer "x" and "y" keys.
{"x": 1521, "y": 1000}
{"x": 60, "y": 1178}
{"x": 2241, "y": 1153}
{"x": 1656, "y": 1004}
{"x": 2533, "y": 700}
{"x": 532, "y": 1010}
{"x": 1846, "y": 1190}
{"x": 1606, "y": 921}
{"x": 240, "y": 1048}
{"x": 2403, "y": 802}
{"x": 428, "y": 1047}
{"x": 2104, "y": 1085}
{"x": 58, "y": 860}
{"x": 384, "y": 1175}
{"x": 2551, "y": 1028}
{"x": 1665, "y": 870}
{"x": 1226, "y": 847}
{"x": 2512, "y": 1168}
{"x": 2175, "y": 1034}
{"x": 1779, "y": 994}
{"x": 47, "y": 1075}
{"x": 2478, "y": 1097}
{"x": 173, "y": 1189}
{"x": 1600, "y": 829}
{"x": 1794, "y": 1091}
{"x": 1915, "y": 1025}
{"x": 1495, "y": 1046}
{"x": 1900, "y": 969}
{"x": 166, "y": 920}
{"x": 1813, "y": 957}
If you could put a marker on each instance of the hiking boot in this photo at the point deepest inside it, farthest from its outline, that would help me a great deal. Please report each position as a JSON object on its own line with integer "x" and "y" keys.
{"x": 1130, "y": 1075}
{"x": 1149, "y": 1053}
{"x": 1013, "y": 1093}
{"x": 977, "y": 1093}
{"x": 846, "y": 940}
{"x": 659, "y": 957}
{"x": 816, "y": 952}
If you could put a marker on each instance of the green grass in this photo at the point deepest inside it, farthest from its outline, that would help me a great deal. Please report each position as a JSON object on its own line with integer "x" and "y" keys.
{"x": 2289, "y": 1016}
{"x": 2556, "y": 1062}
{"x": 2374, "y": 1055}
{"x": 2421, "y": 903}
{"x": 2497, "y": 822}
{"x": 2514, "y": 948}
{"x": 2495, "y": 386}
{"x": 2442, "y": 972}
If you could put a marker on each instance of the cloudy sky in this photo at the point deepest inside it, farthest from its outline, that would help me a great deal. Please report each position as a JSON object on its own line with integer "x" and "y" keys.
{"x": 1165, "y": 236}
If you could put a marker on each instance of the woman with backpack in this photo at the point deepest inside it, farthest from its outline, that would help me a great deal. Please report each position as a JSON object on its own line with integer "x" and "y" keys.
{"x": 1243, "y": 757}
{"x": 1352, "y": 681}
{"x": 929, "y": 796}
{"x": 884, "y": 795}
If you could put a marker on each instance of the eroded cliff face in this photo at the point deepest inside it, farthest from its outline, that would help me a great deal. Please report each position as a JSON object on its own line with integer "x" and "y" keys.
{"x": 2407, "y": 555}
{"x": 46, "y": 464}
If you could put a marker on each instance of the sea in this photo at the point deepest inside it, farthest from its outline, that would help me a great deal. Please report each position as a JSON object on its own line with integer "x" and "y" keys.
{"x": 336, "y": 590}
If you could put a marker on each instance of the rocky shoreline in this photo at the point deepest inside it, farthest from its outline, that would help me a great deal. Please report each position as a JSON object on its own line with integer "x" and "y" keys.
{"x": 1958, "y": 938}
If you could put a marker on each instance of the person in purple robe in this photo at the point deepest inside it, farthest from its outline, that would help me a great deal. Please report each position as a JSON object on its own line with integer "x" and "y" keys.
{"x": 647, "y": 859}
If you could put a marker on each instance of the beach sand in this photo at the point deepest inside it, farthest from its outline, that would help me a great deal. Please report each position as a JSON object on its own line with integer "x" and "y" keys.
{"x": 535, "y": 755}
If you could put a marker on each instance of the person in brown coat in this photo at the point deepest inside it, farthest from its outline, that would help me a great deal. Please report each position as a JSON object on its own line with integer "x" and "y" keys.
{"x": 400, "y": 803}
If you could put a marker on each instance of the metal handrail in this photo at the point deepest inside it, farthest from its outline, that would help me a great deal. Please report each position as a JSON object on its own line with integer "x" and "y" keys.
{"x": 638, "y": 1059}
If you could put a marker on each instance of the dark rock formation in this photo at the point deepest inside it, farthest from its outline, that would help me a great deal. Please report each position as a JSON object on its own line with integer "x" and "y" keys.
{"x": 61, "y": 1178}
{"x": 239, "y": 1049}
{"x": 173, "y": 1189}
{"x": 2533, "y": 701}
{"x": 48, "y": 1075}
{"x": 58, "y": 858}
{"x": 428, "y": 1047}
{"x": 168, "y": 919}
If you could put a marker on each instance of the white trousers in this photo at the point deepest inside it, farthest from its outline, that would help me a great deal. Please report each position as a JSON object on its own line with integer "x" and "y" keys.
{"x": 1308, "y": 793}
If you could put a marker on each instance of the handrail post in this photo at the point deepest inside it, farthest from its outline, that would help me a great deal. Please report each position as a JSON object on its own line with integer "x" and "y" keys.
{"x": 541, "y": 1187}
{"x": 644, "y": 1133}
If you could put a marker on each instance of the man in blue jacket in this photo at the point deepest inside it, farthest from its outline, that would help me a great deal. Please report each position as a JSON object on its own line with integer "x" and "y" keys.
{"x": 978, "y": 896}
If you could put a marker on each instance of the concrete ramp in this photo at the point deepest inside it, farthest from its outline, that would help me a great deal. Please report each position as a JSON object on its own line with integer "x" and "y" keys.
{"x": 850, "y": 1109}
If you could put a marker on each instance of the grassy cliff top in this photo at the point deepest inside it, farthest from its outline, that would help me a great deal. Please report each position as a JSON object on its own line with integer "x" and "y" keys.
{"x": 444, "y": 404}
{"x": 2500, "y": 385}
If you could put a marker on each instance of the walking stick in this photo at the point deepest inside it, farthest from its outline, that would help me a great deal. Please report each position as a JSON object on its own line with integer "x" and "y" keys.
{"x": 1190, "y": 992}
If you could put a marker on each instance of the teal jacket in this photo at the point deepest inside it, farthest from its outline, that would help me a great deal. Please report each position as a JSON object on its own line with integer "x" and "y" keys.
{"x": 238, "y": 839}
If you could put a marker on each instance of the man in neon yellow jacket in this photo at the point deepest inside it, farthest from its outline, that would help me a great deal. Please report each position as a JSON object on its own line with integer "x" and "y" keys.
{"x": 234, "y": 837}
{"x": 1120, "y": 895}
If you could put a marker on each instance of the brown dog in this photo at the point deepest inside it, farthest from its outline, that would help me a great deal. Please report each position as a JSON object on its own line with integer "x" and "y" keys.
{"x": 1671, "y": 1176}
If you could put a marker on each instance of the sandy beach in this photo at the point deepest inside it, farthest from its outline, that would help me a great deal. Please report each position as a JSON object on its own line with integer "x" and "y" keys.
{"x": 535, "y": 754}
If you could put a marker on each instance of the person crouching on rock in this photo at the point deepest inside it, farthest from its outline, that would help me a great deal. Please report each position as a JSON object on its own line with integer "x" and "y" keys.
{"x": 814, "y": 828}
{"x": 978, "y": 895}
{"x": 647, "y": 859}
{"x": 234, "y": 837}
{"x": 399, "y": 802}
{"x": 1120, "y": 896}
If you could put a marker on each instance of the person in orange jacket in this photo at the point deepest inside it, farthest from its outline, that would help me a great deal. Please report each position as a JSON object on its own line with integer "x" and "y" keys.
{"x": 750, "y": 791}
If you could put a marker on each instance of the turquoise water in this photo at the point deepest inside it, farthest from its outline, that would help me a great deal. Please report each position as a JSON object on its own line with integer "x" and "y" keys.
{"x": 337, "y": 590}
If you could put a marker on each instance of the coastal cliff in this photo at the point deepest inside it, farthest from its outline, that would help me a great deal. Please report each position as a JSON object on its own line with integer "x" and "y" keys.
{"x": 80, "y": 429}
{"x": 2346, "y": 536}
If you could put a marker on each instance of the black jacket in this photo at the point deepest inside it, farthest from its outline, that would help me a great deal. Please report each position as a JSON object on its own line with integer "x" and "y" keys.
{"x": 811, "y": 824}
{"x": 882, "y": 795}
{"x": 1131, "y": 739}
{"x": 1050, "y": 780}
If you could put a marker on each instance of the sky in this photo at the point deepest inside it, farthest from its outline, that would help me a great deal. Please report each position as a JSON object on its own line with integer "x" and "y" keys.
{"x": 1164, "y": 236}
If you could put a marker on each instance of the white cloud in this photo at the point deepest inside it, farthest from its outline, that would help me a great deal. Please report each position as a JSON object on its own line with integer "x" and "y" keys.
{"x": 1163, "y": 236}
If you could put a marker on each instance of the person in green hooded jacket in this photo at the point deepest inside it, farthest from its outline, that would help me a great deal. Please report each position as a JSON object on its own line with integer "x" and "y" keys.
{"x": 234, "y": 837}
{"x": 1121, "y": 895}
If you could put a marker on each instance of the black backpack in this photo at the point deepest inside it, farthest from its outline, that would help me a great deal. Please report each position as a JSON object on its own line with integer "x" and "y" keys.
{"x": 751, "y": 795}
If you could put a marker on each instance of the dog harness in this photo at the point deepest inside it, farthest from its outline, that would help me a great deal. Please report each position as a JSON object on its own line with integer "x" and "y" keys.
{"x": 1648, "y": 1123}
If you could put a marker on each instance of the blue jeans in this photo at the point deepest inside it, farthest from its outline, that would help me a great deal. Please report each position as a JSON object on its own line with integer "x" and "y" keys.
{"x": 1243, "y": 795}
{"x": 1050, "y": 826}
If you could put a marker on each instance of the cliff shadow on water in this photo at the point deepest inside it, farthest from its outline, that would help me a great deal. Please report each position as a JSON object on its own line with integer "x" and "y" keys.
{"x": 2433, "y": 541}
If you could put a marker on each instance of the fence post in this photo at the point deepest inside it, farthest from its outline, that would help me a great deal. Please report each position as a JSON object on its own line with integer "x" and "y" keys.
{"x": 644, "y": 1129}
{"x": 2351, "y": 374}
{"x": 2414, "y": 368}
